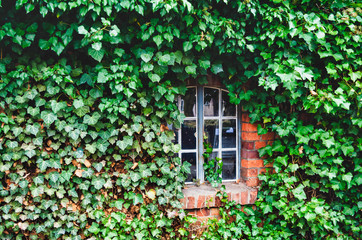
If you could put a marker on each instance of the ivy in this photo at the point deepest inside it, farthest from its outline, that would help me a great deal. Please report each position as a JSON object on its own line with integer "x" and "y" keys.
{"x": 87, "y": 89}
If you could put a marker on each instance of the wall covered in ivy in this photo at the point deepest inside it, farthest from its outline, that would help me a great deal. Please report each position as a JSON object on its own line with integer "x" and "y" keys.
{"x": 88, "y": 88}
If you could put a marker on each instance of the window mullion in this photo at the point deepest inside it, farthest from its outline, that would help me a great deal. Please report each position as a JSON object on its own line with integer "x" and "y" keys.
{"x": 200, "y": 133}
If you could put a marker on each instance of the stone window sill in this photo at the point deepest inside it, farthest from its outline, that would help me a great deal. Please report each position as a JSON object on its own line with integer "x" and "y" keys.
{"x": 205, "y": 196}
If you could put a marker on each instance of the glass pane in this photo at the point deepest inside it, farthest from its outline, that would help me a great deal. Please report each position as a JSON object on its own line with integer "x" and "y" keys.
{"x": 212, "y": 132}
{"x": 229, "y": 133}
{"x": 228, "y": 109}
{"x": 229, "y": 165}
{"x": 188, "y": 135}
{"x": 188, "y": 103}
{"x": 191, "y": 158}
{"x": 211, "y": 102}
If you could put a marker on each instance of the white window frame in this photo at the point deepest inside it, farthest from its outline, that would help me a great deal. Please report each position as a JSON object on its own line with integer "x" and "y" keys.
{"x": 200, "y": 120}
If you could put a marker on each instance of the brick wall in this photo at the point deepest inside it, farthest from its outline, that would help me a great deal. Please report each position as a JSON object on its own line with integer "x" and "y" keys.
{"x": 251, "y": 164}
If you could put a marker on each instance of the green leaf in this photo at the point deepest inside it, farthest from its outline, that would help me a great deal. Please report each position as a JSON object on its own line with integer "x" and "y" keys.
{"x": 48, "y": 117}
{"x": 98, "y": 183}
{"x": 92, "y": 120}
{"x": 96, "y": 54}
{"x": 78, "y": 103}
{"x": 138, "y": 199}
{"x": 146, "y": 57}
{"x": 187, "y": 46}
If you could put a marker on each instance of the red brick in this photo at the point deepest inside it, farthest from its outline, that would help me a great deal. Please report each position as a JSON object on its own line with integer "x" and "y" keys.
{"x": 249, "y": 154}
{"x": 268, "y": 136}
{"x": 192, "y": 212}
{"x": 249, "y": 172}
{"x": 259, "y": 145}
{"x": 215, "y": 212}
{"x": 245, "y": 117}
{"x": 247, "y": 145}
{"x": 190, "y": 202}
{"x": 201, "y": 201}
{"x": 203, "y": 212}
{"x": 244, "y": 198}
{"x": 217, "y": 202}
{"x": 248, "y": 127}
{"x": 250, "y": 136}
{"x": 253, "y": 195}
{"x": 252, "y": 163}
{"x": 235, "y": 197}
{"x": 252, "y": 182}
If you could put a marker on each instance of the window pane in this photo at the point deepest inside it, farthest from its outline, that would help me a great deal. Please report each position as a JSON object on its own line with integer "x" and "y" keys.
{"x": 212, "y": 132}
{"x": 229, "y": 133}
{"x": 229, "y": 165}
{"x": 228, "y": 109}
{"x": 191, "y": 158}
{"x": 188, "y": 103}
{"x": 188, "y": 135}
{"x": 211, "y": 102}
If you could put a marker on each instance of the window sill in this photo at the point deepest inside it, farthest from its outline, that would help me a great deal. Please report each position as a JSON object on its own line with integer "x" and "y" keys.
{"x": 205, "y": 196}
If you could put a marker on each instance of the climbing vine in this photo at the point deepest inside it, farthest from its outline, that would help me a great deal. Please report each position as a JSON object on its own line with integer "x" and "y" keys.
{"x": 88, "y": 95}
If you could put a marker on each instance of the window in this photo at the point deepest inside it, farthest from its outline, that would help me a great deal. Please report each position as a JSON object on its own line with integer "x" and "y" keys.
{"x": 209, "y": 112}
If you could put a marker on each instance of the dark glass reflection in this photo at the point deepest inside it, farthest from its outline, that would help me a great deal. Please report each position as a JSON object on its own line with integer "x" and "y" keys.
{"x": 212, "y": 132}
{"x": 229, "y": 165}
{"x": 229, "y": 133}
{"x": 188, "y": 134}
{"x": 211, "y": 102}
{"x": 188, "y": 103}
{"x": 228, "y": 108}
{"x": 191, "y": 158}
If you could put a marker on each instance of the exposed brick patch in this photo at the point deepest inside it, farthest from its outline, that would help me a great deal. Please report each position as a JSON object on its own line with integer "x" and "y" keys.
{"x": 245, "y": 117}
{"x": 203, "y": 212}
{"x": 191, "y": 202}
{"x": 244, "y": 198}
{"x": 201, "y": 201}
{"x": 249, "y": 154}
{"x": 253, "y": 196}
{"x": 248, "y": 127}
{"x": 260, "y": 145}
{"x": 268, "y": 136}
{"x": 252, "y": 182}
{"x": 218, "y": 202}
{"x": 214, "y": 212}
{"x": 205, "y": 196}
{"x": 248, "y": 145}
{"x": 252, "y": 163}
{"x": 249, "y": 136}
{"x": 249, "y": 172}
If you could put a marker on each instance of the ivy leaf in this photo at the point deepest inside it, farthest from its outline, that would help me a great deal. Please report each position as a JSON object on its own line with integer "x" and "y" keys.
{"x": 96, "y": 54}
{"x": 33, "y": 111}
{"x": 33, "y": 129}
{"x": 135, "y": 177}
{"x": 138, "y": 199}
{"x": 187, "y": 46}
{"x": 48, "y": 117}
{"x": 98, "y": 183}
{"x": 102, "y": 146}
{"x": 146, "y": 57}
{"x": 92, "y": 120}
{"x": 78, "y": 103}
